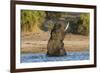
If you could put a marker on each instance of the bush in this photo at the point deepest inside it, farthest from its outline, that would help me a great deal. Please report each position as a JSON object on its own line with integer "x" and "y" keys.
{"x": 31, "y": 20}
{"x": 84, "y": 24}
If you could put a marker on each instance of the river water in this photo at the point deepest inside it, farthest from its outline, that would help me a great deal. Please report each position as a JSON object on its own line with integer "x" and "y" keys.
{"x": 41, "y": 57}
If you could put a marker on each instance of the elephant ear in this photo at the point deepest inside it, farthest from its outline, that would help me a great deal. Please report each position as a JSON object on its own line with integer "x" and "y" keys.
{"x": 67, "y": 26}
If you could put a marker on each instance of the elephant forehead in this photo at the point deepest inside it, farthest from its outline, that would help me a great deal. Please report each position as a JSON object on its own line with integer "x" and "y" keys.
{"x": 61, "y": 23}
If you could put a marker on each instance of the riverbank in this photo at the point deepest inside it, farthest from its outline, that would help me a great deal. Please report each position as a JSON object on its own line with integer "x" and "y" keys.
{"x": 37, "y": 42}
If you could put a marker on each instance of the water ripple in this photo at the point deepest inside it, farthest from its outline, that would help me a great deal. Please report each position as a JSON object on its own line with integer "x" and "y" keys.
{"x": 41, "y": 57}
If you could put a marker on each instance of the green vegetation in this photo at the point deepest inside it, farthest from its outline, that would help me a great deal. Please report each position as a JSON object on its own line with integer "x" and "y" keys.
{"x": 31, "y": 20}
{"x": 35, "y": 21}
{"x": 84, "y": 24}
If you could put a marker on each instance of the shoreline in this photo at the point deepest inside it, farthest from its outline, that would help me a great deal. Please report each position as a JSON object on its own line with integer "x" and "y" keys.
{"x": 37, "y": 43}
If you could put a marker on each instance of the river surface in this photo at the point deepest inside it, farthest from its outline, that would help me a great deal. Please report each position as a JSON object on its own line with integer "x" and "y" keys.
{"x": 41, "y": 57}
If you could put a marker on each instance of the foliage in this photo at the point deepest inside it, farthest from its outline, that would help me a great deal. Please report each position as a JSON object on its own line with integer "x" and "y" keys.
{"x": 80, "y": 24}
{"x": 31, "y": 20}
{"x": 84, "y": 24}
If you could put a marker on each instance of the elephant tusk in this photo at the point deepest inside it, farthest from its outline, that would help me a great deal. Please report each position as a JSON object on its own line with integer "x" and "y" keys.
{"x": 67, "y": 26}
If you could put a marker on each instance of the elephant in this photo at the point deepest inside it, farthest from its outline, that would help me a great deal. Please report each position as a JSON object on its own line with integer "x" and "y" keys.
{"x": 55, "y": 46}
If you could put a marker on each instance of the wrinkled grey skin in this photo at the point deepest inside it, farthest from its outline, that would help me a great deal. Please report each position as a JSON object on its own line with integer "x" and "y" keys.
{"x": 55, "y": 46}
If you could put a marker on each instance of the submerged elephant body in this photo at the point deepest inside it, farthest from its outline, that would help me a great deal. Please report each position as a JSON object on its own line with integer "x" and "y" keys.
{"x": 55, "y": 46}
